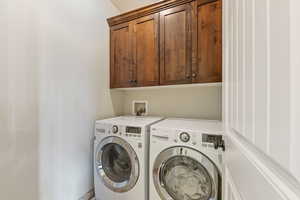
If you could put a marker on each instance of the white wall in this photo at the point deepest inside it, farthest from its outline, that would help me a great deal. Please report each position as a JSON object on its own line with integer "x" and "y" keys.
{"x": 73, "y": 75}
{"x": 192, "y": 102}
{"x": 259, "y": 101}
{"x": 127, "y": 5}
{"x": 18, "y": 101}
{"x": 54, "y": 84}
{"x": 295, "y": 86}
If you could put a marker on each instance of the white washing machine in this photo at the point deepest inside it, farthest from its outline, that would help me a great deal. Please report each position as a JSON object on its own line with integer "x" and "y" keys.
{"x": 186, "y": 160}
{"x": 121, "y": 158}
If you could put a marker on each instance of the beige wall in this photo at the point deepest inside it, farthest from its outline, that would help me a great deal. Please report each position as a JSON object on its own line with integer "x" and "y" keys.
{"x": 194, "y": 102}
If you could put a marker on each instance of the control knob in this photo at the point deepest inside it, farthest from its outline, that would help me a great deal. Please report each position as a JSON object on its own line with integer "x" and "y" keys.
{"x": 115, "y": 129}
{"x": 184, "y": 137}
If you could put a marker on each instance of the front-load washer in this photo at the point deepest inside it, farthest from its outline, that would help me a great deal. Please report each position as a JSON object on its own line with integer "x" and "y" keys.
{"x": 121, "y": 158}
{"x": 186, "y": 160}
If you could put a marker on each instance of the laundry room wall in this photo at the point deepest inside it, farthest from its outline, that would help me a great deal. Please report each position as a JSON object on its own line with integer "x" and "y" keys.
{"x": 295, "y": 86}
{"x": 261, "y": 90}
{"x": 73, "y": 92}
{"x": 127, "y": 5}
{"x": 189, "y": 102}
{"x": 54, "y": 71}
{"x": 18, "y": 101}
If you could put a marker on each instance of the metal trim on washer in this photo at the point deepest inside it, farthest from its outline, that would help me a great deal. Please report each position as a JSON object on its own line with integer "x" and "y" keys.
{"x": 172, "y": 152}
{"x": 135, "y": 171}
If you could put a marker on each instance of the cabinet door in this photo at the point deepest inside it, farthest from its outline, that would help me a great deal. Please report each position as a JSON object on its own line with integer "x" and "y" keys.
{"x": 121, "y": 70}
{"x": 207, "y": 37}
{"x": 146, "y": 51}
{"x": 175, "y": 45}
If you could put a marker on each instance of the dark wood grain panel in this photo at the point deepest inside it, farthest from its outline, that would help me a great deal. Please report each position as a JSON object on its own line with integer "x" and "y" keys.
{"x": 146, "y": 50}
{"x": 121, "y": 56}
{"x": 207, "y": 67}
{"x": 175, "y": 45}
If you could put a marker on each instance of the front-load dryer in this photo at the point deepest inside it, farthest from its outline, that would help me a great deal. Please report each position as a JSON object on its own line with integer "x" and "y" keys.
{"x": 185, "y": 160}
{"x": 121, "y": 158}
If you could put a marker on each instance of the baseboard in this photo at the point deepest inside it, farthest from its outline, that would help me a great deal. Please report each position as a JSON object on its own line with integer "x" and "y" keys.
{"x": 89, "y": 195}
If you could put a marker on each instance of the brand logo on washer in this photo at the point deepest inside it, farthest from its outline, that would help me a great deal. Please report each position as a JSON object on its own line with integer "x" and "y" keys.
{"x": 100, "y": 130}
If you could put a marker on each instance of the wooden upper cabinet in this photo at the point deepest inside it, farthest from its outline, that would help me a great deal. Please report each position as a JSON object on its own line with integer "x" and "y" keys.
{"x": 166, "y": 43}
{"x": 146, "y": 50}
{"x": 175, "y": 45}
{"x": 121, "y": 69}
{"x": 207, "y": 41}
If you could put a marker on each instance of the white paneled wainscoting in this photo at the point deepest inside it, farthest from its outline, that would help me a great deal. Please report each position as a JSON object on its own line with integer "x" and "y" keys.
{"x": 261, "y": 99}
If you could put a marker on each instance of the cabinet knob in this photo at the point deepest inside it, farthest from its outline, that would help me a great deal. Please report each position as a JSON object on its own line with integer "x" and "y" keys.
{"x": 188, "y": 77}
{"x": 194, "y": 75}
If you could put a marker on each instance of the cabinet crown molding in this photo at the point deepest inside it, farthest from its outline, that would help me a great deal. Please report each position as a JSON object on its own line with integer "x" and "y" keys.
{"x": 144, "y": 11}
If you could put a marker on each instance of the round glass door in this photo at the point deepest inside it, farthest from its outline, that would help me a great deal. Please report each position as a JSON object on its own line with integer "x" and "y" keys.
{"x": 185, "y": 174}
{"x": 117, "y": 164}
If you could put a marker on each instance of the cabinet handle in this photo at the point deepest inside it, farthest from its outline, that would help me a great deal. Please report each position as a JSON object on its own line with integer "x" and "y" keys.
{"x": 133, "y": 81}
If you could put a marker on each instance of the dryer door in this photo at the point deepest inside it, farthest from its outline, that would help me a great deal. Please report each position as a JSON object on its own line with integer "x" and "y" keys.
{"x": 117, "y": 164}
{"x": 182, "y": 173}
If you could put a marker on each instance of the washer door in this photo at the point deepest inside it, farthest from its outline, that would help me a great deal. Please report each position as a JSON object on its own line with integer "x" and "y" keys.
{"x": 117, "y": 164}
{"x": 182, "y": 173}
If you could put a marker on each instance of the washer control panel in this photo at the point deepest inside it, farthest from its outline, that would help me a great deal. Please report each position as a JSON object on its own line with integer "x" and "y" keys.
{"x": 119, "y": 130}
{"x": 131, "y": 131}
{"x": 125, "y": 131}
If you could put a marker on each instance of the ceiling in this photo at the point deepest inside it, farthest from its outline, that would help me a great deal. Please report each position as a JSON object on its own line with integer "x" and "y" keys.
{"x": 126, "y": 5}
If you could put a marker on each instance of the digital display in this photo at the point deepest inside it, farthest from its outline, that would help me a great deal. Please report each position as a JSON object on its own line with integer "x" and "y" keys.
{"x": 136, "y": 130}
{"x": 210, "y": 138}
